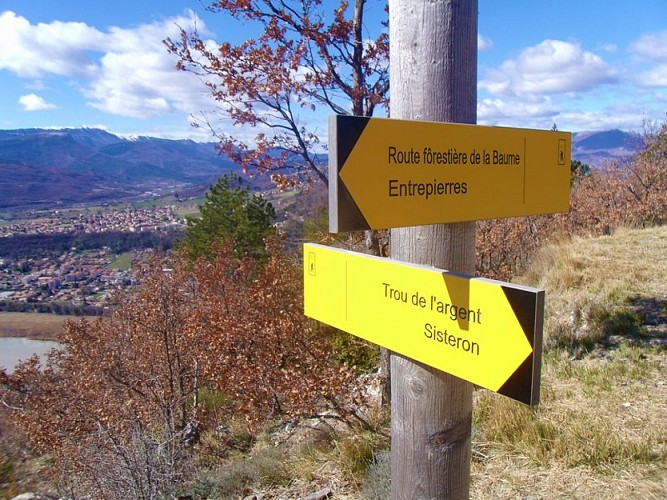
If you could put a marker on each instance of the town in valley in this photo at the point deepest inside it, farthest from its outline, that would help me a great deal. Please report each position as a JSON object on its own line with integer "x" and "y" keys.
{"x": 78, "y": 279}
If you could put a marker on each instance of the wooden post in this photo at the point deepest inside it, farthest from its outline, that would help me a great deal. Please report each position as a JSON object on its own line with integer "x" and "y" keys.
{"x": 433, "y": 68}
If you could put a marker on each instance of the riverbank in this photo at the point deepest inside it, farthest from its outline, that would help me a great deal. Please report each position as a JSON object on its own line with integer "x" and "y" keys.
{"x": 34, "y": 326}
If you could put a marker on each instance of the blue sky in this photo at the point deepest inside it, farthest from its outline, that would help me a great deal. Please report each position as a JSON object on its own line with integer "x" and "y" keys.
{"x": 584, "y": 65}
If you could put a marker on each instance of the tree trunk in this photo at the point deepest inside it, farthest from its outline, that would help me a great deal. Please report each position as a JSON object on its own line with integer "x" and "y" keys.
{"x": 433, "y": 68}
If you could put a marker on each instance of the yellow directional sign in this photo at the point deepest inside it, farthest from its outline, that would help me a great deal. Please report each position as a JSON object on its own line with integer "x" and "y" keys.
{"x": 483, "y": 331}
{"x": 395, "y": 173}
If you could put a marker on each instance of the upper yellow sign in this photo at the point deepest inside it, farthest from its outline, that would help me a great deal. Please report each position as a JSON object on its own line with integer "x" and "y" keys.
{"x": 483, "y": 331}
{"x": 395, "y": 173}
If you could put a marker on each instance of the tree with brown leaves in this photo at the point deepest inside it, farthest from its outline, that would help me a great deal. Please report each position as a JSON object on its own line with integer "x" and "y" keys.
{"x": 307, "y": 56}
{"x": 119, "y": 408}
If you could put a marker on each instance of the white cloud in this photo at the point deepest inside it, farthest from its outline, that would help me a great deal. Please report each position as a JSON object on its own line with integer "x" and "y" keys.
{"x": 560, "y": 82}
{"x": 650, "y": 53}
{"x": 655, "y": 77}
{"x": 605, "y": 119}
{"x": 551, "y": 67}
{"x": 608, "y": 110}
{"x": 36, "y": 85}
{"x": 489, "y": 110}
{"x": 41, "y": 50}
{"x": 126, "y": 72}
{"x": 543, "y": 113}
{"x": 33, "y": 102}
{"x": 138, "y": 78}
{"x": 610, "y": 48}
{"x": 142, "y": 84}
{"x": 651, "y": 46}
{"x": 528, "y": 112}
{"x": 484, "y": 43}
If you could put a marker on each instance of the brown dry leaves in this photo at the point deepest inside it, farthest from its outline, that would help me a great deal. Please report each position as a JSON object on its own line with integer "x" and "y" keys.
{"x": 224, "y": 327}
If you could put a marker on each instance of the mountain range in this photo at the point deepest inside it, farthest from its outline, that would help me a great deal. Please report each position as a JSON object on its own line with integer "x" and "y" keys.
{"x": 42, "y": 168}
{"x": 601, "y": 149}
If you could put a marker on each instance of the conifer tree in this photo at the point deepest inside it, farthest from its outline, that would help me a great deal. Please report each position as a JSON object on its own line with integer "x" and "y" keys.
{"x": 230, "y": 213}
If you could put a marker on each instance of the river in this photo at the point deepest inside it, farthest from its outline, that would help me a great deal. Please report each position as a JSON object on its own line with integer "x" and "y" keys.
{"x": 13, "y": 350}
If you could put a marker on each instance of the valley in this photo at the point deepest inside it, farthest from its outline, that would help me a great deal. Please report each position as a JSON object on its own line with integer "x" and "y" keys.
{"x": 72, "y": 262}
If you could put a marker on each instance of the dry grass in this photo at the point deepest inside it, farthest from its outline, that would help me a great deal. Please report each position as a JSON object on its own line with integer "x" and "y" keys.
{"x": 36, "y": 326}
{"x": 599, "y": 431}
{"x": 289, "y": 463}
{"x": 601, "y": 428}
{"x": 592, "y": 283}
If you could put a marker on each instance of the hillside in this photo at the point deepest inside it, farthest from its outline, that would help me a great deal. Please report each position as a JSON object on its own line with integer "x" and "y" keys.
{"x": 42, "y": 168}
{"x": 600, "y": 428}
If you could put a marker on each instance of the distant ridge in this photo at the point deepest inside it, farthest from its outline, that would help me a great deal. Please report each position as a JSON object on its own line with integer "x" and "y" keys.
{"x": 79, "y": 165}
{"x": 601, "y": 149}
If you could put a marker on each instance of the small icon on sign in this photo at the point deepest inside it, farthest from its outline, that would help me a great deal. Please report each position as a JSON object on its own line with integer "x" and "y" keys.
{"x": 561, "y": 151}
{"x": 311, "y": 264}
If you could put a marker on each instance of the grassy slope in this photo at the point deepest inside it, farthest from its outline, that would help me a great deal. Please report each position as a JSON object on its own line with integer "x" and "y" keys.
{"x": 601, "y": 428}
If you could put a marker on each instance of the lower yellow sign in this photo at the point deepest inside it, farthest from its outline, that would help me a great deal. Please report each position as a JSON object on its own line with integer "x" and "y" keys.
{"x": 483, "y": 331}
